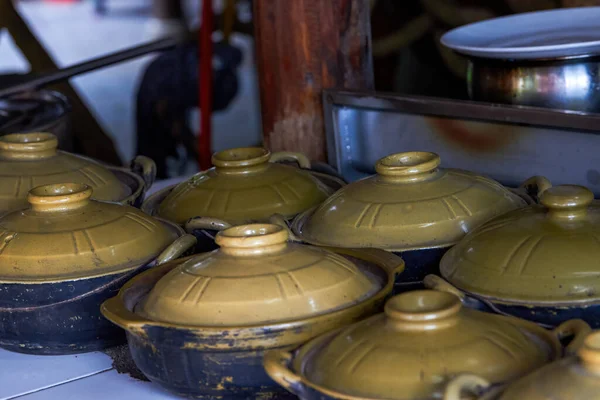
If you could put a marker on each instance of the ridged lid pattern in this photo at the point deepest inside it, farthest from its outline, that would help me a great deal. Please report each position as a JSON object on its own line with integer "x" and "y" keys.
{"x": 65, "y": 235}
{"x": 256, "y": 277}
{"x": 410, "y": 204}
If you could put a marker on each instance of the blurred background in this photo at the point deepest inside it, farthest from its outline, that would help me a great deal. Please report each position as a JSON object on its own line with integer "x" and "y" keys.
{"x": 153, "y": 99}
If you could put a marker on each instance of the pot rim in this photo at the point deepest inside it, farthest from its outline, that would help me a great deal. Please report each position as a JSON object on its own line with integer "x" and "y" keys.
{"x": 174, "y": 228}
{"x": 119, "y": 310}
{"x": 305, "y": 353}
{"x": 136, "y": 192}
{"x": 152, "y": 203}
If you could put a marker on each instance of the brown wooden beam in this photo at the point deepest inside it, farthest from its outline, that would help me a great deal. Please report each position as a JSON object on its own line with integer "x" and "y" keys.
{"x": 303, "y": 47}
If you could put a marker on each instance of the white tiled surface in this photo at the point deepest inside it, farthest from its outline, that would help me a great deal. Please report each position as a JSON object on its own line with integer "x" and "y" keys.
{"x": 21, "y": 374}
{"x": 102, "y": 386}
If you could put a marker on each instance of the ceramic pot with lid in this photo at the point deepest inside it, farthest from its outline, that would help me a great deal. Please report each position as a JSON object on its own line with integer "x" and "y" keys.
{"x": 576, "y": 377}
{"x": 199, "y": 327}
{"x": 64, "y": 255}
{"x": 245, "y": 185}
{"x": 411, "y": 207}
{"x": 410, "y": 352}
{"x": 539, "y": 263}
{"x": 28, "y": 160}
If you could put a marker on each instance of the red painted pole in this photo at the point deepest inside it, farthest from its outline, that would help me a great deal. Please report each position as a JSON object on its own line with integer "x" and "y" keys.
{"x": 205, "y": 85}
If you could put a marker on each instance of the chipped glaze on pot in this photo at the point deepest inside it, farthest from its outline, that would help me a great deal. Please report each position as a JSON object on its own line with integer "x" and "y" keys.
{"x": 409, "y": 352}
{"x": 246, "y": 185}
{"x": 66, "y": 254}
{"x": 28, "y": 160}
{"x": 222, "y": 358}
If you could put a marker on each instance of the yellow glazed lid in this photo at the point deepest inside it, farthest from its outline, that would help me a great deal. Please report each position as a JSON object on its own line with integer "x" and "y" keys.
{"x": 567, "y": 379}
{"x": 422, "y": 340}
{"x": 541, "y": 254}
{"x": 409, "y": 204}
{"x": 428, "y": 337}
{"x": 65, "y": 235}
{"x": 28, "y": 160}
{"x": 256, "y": 277}
{"x": 245, "y": 187}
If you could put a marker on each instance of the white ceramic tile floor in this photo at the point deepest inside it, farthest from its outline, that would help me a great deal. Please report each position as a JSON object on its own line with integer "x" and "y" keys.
{"x": 21, "y": 374}
{"x": 102, "y": 386}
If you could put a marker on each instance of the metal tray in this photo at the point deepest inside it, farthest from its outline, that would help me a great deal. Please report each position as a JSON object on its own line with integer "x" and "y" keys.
{"x": 507, "y": 143}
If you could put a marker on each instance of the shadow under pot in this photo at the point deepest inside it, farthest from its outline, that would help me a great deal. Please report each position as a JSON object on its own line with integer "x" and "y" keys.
{"x": 199, "y": 327}
{"x": 62, "y": 257}
{"x": 575, "y": 377}
{"x": 412, "y": 208}
{"x": 246, "y": 185}
{"x": 28, "y": 160}
{"x": 410, "y": 352}
{"x": 539, "y": 263}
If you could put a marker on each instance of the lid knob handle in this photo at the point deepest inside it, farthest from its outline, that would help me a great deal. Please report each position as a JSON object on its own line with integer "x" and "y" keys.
{"x": 423, "y": 309}
{"x": 589, "y": 352}
{"x": 28, "y": 146}
{"x": 567, "y": 201}
{"x": 59, "y": 197}
{"x": 252, "y": 239}
{"x": 409, "y": 166}
{"x": 241, "y": 160}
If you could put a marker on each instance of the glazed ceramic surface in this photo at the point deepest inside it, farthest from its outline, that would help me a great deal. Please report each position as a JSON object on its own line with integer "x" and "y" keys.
{"x": 31, "y": 159}
{"x": 410, "y": 204}
{"x": 526, "y": 36}
{"x": 572, "y": 378}
{"x": 178, "y": 333}
{"x": 256, "y": 277}
{"x": 410, "y": 351}
{"x": 575, "y": 377}
{"x": 542, "y": 255}
{"x": 65, "y": 235}
{"x": 246, "y": 185}
{"x": 66, "y": 254}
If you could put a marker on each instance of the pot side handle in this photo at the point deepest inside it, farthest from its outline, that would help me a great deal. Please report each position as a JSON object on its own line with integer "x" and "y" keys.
{"x": 145, "y": 167}
{"x": 465, "y": 384}
{"x": 434, "y": 282}
{"x": 535, "y": 186}
{"x": 176, "y": 249}
{"x": 205, "y": 223}
{"x": 277, "y": 366}
{"x": 300, "y": 158}
{"x": 577, "y": 328}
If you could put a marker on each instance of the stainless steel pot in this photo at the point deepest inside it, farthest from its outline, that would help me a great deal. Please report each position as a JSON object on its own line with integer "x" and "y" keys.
{"x": 566, "y": 84}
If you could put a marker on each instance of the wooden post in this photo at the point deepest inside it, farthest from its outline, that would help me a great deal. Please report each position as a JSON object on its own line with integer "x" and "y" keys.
{"x": 303, "y": 47}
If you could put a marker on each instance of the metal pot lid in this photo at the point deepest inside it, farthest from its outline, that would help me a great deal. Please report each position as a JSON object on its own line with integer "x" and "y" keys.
{"x": 409, "y": 204}
{"x": 65, "y": 235}
{"x": 245, "y": 187}
{"x": 540, "y": 254}
{"x": 28, "y": 160}
{"x": 571, "y": 378}
{"x": 421, "y": 340}
{"x": 256, "y": 277}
